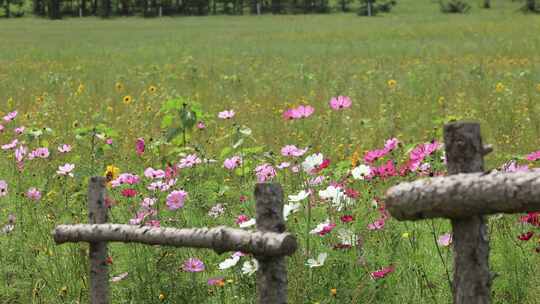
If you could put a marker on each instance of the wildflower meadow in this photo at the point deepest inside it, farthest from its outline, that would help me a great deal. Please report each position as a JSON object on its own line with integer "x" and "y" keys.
{"x": 184, "y": 116}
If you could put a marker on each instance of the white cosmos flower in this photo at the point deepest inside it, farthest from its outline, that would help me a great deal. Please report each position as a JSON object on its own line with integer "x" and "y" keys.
{"x": 249, "y": 223}
{"x": 230, "y": 262}
{"x": 361, "y": 172}
{"x": 337, "y": 196}
{"x": 300, "y": 196}
{"x": 312, "y": 162}
{"x": 290, "y": 208}
{"x": 312, "y": 263}
{"x": 249, "y": 267}
{"x": 347, "y": 237}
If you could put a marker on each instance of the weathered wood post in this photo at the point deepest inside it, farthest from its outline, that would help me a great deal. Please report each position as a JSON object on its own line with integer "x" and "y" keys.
{"x": 465, "y": 197}
{"x": 465, "y": 154}
{"x": 97, "y": 214}
{"x": 272, "y": 273}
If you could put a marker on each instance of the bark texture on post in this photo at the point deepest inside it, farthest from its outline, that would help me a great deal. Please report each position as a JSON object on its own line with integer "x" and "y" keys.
{"x": 220, "y": 239}
{"x": 272, "y": 273}
{"x": 464, "y": 195}
{"x": 97, "y": 214}
{"x": 465, "y": 154}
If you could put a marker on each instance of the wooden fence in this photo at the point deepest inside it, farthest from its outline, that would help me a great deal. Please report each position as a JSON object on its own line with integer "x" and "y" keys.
{"x": 269, "y": 244}
{"x": 464, "y": 197}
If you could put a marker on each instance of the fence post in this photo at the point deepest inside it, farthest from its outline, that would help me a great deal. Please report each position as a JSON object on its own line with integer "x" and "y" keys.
{"x": 272, "y": 273}
{"x": 465, "y": 154}
{"x": 97, "y": 214}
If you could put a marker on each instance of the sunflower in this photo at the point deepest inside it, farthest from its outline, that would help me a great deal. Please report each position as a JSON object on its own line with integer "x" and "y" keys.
{"x": 391, "y": 83}
{"x": 152, "y": 89}
{"x": 119, "y": 87}
{"x": 127, "y": 99}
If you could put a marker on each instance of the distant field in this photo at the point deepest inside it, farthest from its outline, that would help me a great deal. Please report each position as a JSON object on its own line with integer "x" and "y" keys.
{"x": 407, "y": 73}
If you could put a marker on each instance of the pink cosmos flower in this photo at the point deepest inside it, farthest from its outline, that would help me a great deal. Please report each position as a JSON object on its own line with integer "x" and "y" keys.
{"x": 189, "y": 161}
{"x": 20, "y": 152}
{"x": 445, "y": 240}
{"x": 232, "y": 163}
{"x": 175, "y": 199}
{"x": 371, "y": 156}
{"x": 292, "y": 150}
{"x": 153, "y": 223}
{"x": 33, "y": 194}
{"x": 109, "y": 141}
{"x": 327, "y": 229}
{"x": 11, "y": 145}
{"x": 3, "y": 188}
{"x": 39, "y": 153}
{"x": 219, "y": 281}
{"x": 125, "y": 178}
{"x": 66, "y": 170}
{"x": 513, "y": 166}
{"x": 298, "y": 112}
{"x": 283, "y": 165}
{"x": 138, "y": 219}
{"x": 148, "y": 202}
{"x": 19, "y": 130}
{"x": 533, "y": 156}
{"x": 154, "y": 174}
{"x": 377, "y": 224}
{"x": 193, "y": 265}
{"x": 65, "y": 148}
{"x": 340, "y": 102}
{"x": 10, "y": 116}
{"x": 201, "y": 125}
{"x": 265, "y": 172}
{"x": 228, "y": 114}
{"x": 139, "y": 146}
{"x": 381, "y": 273}
{"x": 1, "y": 128}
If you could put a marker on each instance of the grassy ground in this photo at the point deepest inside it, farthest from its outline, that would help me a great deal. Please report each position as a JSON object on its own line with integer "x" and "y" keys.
{"x": 72, "y": 74}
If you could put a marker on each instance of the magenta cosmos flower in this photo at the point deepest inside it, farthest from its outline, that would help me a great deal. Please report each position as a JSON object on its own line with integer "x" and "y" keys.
{"x": 381, "y": 273}
{"x": 228, "y": 114}
{"x": 193, "y": 265}
{"x": 340, "y": 102}
{"x": 139, "y": 146}
{"x": 265, "y": 172}
{"x": 175, "y": 199}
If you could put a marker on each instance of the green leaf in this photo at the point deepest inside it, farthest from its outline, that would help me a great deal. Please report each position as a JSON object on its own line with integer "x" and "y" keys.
{"x": 225, "y": 152}
{"x": 167, "y": 121}
{"x": 172, "y": 133}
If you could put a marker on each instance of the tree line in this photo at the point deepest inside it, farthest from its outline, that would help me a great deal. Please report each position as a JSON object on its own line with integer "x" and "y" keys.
{"x": 57, "y": 9}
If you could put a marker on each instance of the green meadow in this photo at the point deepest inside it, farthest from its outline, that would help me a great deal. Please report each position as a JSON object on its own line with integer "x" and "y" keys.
{"x": 98, "y": 85}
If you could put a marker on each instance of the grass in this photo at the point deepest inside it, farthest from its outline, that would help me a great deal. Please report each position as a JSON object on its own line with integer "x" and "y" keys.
{"x": 483, "y": 66}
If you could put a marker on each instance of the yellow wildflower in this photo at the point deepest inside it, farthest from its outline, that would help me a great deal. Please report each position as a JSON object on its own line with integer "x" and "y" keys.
{"x": 162, "y": 296}
{"x": 392, "y": 83}
{"x": 80, "y": 89}
{"x": 111, "y": 172}
{"x": 127, "y": 99}
{"x": 499, "y": 87}
{"x": 152, "y": 89}
{"x": 355, "y": 158}
{"x": 538, "y": 87}
{"x": 405, "y": 235}
{"x": 333, "y": 292}
{"x": 119, "y": 87}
